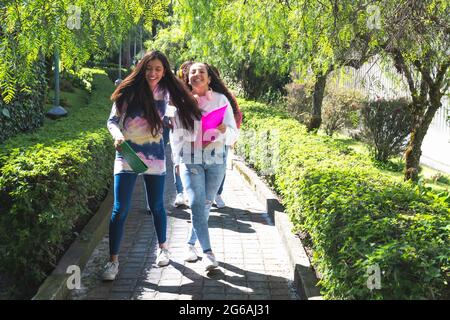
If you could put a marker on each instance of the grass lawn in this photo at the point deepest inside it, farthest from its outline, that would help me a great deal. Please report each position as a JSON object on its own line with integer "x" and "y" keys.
{"x": 435, "y": 179}
{"x": 68, "y": 100}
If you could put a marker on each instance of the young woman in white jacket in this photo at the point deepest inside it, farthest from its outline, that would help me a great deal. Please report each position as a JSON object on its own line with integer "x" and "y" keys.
{"x": 200, "y": 157}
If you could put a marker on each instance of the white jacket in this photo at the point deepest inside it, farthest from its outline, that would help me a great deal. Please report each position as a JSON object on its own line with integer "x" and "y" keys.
{"x": 182, "y": 139}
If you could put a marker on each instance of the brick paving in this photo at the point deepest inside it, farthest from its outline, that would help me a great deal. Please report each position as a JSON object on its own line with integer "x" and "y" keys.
{"x": 252, "y": 261}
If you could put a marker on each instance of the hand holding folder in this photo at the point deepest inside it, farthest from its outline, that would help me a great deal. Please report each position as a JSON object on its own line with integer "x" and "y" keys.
{"x": 212, "y": 120}
{"x": 132, "y": 158}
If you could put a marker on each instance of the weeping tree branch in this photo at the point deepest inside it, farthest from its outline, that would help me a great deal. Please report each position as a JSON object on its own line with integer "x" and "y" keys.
{"x": 400, "y": 65}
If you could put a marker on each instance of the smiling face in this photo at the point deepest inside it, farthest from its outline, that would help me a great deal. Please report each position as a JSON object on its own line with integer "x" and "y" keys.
{"x": 198, "y": 77}
{"x": 154, "y": 72}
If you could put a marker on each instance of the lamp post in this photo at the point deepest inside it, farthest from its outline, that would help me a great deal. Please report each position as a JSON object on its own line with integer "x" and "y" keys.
{"x": 56, "y": 111}
{"x": 56, "y": 62}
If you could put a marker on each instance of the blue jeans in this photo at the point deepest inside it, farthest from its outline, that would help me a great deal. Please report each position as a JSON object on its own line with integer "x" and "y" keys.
{"x": 123, "y": 191}
{"x": 177, "y": 181}
{"x": 166, "y": 131}
{"x": 219, "y": 192}
{"x": 201, "y": 182}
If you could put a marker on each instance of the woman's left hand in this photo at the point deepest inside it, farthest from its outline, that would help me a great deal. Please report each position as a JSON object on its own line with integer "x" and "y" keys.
{"x": 222, "y": 128}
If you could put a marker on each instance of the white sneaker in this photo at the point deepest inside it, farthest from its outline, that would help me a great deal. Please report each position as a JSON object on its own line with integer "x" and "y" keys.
{"x": 163, "y": 258}
{"x": 219, "y": 201}
{"x": 111, "y": 270}
{"x": 210, "y": 261}
{"x": 191, "y": 254}
{"x": 179, "y": 200}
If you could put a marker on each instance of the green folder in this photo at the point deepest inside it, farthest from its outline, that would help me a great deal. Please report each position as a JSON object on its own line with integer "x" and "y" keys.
{"x": 132, "y": 158}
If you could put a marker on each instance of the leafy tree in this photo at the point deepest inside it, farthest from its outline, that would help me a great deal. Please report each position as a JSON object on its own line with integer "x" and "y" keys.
{"x": 77, "y": 28}
{"x": 174, "y": 42}
{"x": 325, "y": 36}
{"x": 315, "y": 37}
{"x": 259, "y": 42}
{"x": 418, "y": 42}
{"x": 414, "y": 35}
{"x": 247, "y": 40}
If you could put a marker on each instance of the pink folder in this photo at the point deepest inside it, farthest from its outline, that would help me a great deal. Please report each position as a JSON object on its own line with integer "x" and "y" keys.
{"x": 213, "y": 119}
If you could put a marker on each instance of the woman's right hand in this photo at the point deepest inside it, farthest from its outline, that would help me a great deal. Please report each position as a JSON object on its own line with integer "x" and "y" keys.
{"x": 177, "y": 169}
{"x": 117, "y": 143}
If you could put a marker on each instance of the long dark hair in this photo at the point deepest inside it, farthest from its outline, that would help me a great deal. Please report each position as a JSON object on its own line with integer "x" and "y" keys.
{"x": 134, "y": 93}
{"x": 216, "y": 84}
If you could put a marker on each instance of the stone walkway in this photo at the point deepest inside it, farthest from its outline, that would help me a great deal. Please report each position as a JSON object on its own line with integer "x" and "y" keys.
{"x": 252, "y": 262}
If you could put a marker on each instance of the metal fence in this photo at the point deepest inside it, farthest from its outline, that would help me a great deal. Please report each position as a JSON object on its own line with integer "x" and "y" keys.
{"x": 378, "y": 79}
{"x": 441, "y": 119}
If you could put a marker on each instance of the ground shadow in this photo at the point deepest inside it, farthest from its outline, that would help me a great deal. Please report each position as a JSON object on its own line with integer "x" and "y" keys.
{"x": 228, "y": 282}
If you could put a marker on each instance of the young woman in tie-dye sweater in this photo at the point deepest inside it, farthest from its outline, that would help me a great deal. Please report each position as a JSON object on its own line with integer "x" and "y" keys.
{"x": 140, "y": 103}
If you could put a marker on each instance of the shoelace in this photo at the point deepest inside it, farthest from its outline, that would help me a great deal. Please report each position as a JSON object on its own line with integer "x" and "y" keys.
{"x": 110, "y": 266}
{"x": 164, "y": 251}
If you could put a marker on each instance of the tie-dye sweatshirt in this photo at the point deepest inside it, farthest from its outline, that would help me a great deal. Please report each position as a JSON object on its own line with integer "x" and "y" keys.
{"x": 136, "y": 131}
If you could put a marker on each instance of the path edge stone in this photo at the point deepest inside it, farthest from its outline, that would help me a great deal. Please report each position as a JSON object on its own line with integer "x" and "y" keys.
{"x": 55, "y": 285}
{"x": 305, "y": 280}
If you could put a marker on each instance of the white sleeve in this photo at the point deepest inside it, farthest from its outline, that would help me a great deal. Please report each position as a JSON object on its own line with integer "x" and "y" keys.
{"x": 232, "y": 133}
{"x": 176, "y": 138}
{"x": 113, "y": 124}
{"x": 170, "y": 111}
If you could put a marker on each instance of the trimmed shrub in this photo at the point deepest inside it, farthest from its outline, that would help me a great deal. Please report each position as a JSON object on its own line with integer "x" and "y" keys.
{"x": 340, "y": 109}
{"x": 387, "y": 124}
{"x": 48, "y": 180}
{"x": 355, "y": 216}
{"x": 357, "y": 221}
{"x": 299, "y": 100}
{"x": 81, "y": 79}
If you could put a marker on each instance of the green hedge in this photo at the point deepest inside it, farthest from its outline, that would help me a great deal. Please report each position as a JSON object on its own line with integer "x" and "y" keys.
{"x": 354, "y": 215}
{"x": 26, "y": 111}
{"x": 112, "y": 69}
{"x": 48, "y": 181}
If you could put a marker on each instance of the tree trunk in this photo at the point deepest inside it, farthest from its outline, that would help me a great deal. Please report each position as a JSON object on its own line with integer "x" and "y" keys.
{"x": 414, "y": 149}
{"x": 316, "y": 112}
{"x": 154, "y": 30}
{"x": 413, "y": 152}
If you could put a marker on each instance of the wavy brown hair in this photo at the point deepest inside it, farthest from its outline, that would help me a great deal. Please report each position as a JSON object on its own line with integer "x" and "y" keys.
{"x": 134, "y": 93}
